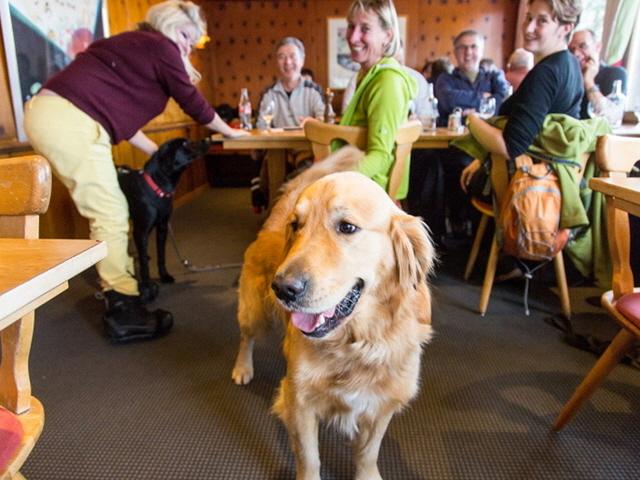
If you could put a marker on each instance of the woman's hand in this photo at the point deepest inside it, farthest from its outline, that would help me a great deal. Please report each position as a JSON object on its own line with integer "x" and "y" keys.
{"x": 235, "y": 133}
{"x": 219, "y": 125}
{"x": 467, "y": 173}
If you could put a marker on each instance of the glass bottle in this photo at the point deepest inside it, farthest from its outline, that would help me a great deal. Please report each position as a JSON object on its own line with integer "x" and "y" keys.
{"x": 617, "y": 100}
{"x": 329, "y": 114}
{"x": 432, "y": 102}
{"x": 244, "y": 109}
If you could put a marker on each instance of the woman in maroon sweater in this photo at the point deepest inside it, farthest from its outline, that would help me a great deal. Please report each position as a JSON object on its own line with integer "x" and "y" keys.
{"x": 106, "y": 95}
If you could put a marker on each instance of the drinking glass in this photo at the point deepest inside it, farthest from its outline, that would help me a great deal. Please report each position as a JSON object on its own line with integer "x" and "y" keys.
{"x": 487, "y": 107}
{"x": 267, "y": 114}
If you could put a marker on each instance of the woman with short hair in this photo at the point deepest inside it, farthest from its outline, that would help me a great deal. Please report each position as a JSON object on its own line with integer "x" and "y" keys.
{"x": 554, "y": 85}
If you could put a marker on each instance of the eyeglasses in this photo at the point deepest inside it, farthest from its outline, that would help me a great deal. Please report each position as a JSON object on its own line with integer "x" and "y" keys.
{"x": 460, "y": 48}
{"x": 581, "y": 46}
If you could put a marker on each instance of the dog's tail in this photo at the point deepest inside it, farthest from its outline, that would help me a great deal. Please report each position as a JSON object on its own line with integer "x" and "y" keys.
{"x": 345, "y": 159}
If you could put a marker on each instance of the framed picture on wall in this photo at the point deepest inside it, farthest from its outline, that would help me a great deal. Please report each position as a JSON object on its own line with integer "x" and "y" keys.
{"x": 341, "y": 67}
{"x": 41, "y": 38}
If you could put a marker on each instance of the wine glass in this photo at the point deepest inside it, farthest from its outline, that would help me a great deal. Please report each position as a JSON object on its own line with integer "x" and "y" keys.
{"x": 487, "y": 107}
{"x": 267, "y": 113}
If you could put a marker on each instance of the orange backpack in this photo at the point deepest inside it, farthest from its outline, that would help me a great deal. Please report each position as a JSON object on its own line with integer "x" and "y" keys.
{"x": 530, "y": 213}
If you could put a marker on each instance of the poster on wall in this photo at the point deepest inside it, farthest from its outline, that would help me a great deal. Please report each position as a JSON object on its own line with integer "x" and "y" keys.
{"x": 41, "y": 37}
{"x": 341, "y": 67}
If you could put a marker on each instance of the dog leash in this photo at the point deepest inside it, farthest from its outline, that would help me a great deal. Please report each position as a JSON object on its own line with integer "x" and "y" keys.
{"x": 193, "y": 268}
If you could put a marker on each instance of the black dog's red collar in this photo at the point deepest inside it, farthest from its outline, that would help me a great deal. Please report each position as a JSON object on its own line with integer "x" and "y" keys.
{"x": 154, "y": 186}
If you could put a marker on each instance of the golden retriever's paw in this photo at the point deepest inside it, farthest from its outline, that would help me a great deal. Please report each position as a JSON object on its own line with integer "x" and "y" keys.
{"x": 369, "y": 475}
{"x": 242, "y": 373}
{"x": 308, "y": 476}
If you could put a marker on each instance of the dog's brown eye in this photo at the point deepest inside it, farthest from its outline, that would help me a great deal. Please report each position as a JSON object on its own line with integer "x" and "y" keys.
{"x": 294, "y": 225}
{"x": 348, "y": 228}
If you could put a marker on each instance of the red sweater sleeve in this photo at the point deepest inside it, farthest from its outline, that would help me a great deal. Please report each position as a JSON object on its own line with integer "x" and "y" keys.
{"x": 173, "y": 76}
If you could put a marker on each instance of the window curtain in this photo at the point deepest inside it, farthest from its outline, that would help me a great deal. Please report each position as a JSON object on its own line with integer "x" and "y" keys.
{"x": 620, "y": 17}
{"x": 633, "y": 69}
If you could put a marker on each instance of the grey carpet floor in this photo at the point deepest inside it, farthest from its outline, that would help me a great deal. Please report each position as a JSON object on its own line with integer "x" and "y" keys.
{"x": 167, "y": 409}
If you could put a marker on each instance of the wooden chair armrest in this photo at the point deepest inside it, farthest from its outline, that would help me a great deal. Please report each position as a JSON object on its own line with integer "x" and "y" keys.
{"x": 25, "y": 183}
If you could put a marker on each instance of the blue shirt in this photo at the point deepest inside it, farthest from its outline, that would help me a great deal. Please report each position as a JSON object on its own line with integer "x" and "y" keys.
{"x": 456, "y": 90}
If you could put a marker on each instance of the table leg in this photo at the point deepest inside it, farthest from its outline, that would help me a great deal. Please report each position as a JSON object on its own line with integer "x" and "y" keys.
{"x": 276, "y": 165}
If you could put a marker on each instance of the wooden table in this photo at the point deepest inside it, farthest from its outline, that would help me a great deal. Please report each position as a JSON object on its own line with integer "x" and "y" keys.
{"x": 278, "y": 141}
{"x": 624, "y": 192}
{"x": 628, "y": 130}
{"x": 34, "y": 271}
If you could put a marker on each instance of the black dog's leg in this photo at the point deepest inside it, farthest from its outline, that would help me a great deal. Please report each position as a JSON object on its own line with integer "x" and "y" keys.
{"x": 148, "y": 289}
{"x": 161, "y": 241}
{"x": 141, "y": 239}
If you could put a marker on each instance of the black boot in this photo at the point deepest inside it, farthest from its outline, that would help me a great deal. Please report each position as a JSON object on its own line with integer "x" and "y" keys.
{"x": 126, "y": 320}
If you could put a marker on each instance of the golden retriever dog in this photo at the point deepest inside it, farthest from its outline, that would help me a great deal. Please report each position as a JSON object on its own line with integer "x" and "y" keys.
{"x": 346, "y": 270}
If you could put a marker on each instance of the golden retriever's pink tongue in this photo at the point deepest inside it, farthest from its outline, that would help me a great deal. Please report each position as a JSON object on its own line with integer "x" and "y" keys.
{"x": 308, "y": 322}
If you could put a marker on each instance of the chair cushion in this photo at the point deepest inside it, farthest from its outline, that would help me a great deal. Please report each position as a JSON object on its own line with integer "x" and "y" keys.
{"x": 629, "y": 306}
{"x": 11, "y": 433}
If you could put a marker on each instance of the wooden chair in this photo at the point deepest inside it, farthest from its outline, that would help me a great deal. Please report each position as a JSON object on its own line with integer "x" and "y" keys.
{"x": 25, "y": 189}
{"x": 499, "y": 184}
{"x": 322, "y": 134}
{"x": 486, "y": 211}
{"x": 615, "y": 156}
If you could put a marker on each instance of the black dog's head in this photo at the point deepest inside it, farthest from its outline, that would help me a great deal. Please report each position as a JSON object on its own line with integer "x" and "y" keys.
{"x": 173, "y": 157}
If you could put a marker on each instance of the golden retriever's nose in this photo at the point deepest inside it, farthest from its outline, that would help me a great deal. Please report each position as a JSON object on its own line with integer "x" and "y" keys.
{"x": 289, "y": 289}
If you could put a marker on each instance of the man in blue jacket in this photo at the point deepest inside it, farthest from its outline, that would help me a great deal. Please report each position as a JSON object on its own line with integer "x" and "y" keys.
{"x": 464, "y": 87}
{"x": 469, "y": 83}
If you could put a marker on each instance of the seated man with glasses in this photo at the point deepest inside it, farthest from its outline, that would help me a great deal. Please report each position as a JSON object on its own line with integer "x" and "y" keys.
{"x": 465, "y": 87}
{"x": 469, "y": 83}
{"x": 598, "y": 77}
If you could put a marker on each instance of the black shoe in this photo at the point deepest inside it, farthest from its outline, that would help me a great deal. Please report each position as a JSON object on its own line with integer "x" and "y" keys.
{"x": 126, "y": 320}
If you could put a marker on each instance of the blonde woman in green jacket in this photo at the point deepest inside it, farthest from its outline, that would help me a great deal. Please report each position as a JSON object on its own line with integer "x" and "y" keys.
{"x": 384, "y": 89}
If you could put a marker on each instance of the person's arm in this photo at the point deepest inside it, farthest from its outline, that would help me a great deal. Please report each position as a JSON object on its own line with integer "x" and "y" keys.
{"x": 529, "y": 105}
{"x": 386, "y": 104}
{"x": 219, "y": 125}
{"x": 349, "y": 91}
{"x": 173, "y": 76}
{"x": 602, "y": 106}
{"x": 499, "y": 87}
{"x": 314, "y": 106}
{"x": 144, "y": 143}
{"x": 591, "y": 90}
{"x": 487, "y": 135}
{"x": 450, "y": 95}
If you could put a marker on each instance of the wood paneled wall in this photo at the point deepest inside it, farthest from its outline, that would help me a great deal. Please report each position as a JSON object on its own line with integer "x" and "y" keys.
{"x": 244, "y": 33}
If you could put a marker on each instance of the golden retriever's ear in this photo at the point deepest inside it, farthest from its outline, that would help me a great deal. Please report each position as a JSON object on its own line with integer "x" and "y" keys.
{"x": 413, "y": 249}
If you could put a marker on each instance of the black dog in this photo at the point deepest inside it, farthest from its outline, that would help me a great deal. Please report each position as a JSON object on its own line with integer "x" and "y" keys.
{"x": 150, "y": 193}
